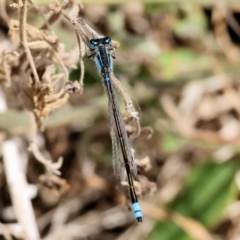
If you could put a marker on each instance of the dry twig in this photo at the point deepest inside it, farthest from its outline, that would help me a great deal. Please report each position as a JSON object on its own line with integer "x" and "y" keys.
{"x": 18, "y": 188}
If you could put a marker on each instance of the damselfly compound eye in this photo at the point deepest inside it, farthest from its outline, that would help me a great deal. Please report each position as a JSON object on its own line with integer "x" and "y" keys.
{"x": 93, "y": 43}
{"x": 107, "y": 40}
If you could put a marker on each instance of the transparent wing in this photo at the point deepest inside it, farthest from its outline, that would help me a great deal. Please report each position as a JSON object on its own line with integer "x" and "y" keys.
{"x": 81, "y": 31}
{"x": 113, "y": 121}
{"x": 118, "y": 165}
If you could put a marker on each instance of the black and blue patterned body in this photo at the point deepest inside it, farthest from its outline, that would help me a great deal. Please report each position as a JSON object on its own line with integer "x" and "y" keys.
{"x": 122, "y": 154}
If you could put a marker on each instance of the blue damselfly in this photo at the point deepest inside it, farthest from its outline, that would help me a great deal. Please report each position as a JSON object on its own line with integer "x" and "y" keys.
{"x": 102, "y": 52}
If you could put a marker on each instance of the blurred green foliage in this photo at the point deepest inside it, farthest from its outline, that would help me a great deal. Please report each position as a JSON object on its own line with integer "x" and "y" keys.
{"x": 208, "y": 189}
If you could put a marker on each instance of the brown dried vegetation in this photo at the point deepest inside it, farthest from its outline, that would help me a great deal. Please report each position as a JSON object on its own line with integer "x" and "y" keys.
{"x": 55, "y": 180}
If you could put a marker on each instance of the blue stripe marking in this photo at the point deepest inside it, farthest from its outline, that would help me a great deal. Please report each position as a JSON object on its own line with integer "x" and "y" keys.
{"x": 137, "y": 210}
{"x": 98, "y": 62}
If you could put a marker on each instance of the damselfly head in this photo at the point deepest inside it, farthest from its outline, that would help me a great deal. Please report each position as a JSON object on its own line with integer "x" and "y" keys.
{"x": 94, "y": 43}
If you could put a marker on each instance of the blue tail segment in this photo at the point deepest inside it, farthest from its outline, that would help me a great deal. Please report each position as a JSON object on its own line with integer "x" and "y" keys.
{"x": 137, "y": 211}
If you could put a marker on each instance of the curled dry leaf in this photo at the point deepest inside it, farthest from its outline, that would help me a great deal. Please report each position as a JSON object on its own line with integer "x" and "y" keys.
{"x": 59, "y": 185}
{"x": 144, "y": 164}
{"x": 147, "y": 131}
{"x": 7, "y": 61}
{"x": 51, "y": 167}
{"x": 40, "y": 97}
{"x": 147, "y": 187}
{"x": 73, "y": 87}
{"x": 40, "y": 54}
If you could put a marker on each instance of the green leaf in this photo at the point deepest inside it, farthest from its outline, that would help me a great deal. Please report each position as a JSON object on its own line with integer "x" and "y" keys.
{"x": 179, "y": 62}
{"x": 193, "y": 26}
{"x": 170, "y": 142}
{"x": 152, "y": 8}
{"x": 208, "y": 189}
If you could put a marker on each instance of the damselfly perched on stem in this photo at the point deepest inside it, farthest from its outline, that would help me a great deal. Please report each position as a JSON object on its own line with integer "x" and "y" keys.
{"x": 101, "y": 49}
